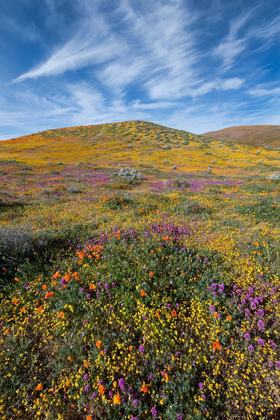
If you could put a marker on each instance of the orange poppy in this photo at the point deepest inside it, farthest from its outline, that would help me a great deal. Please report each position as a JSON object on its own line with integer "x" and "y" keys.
{"x": 48, "y": 295}
{"x": 98, "y": 344}
{"x": 143, "y": 293}
{"x": 61, "y": 314}
{"x": 217, "y": 346}
{"x": 117, "y": 398}
{"x": 44, "y": 287}
{"x": 174, "y": 313}
{"x": 39, "y": 387}
{"x": 229, "y": 317}
{"x": 86, "y": 363}
{"x": 101, "y": 390}
{"x": 144, "y": 388}
{"x": 166, "y": 377}
{"x": 70, "y": 358}
{"x": 92, "y": 287}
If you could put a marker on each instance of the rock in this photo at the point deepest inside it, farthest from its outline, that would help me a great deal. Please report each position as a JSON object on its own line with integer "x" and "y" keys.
{"x": 129, "y": 174}
{"x": 276, "y": 177}
{"x": 167, "y": 147}
{"x": 174, "y": 167}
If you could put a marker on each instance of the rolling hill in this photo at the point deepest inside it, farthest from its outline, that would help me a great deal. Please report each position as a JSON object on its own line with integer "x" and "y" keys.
{"x": 138, "y": 144}
{"x": 254, "y": 135}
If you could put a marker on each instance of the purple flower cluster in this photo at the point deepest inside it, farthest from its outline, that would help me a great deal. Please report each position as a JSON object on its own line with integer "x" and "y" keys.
{"x": 217, "y": 288}
{"x": 122, "y": 385}
{"x": 154, "y": 412}
{"x": 141, "y": 349}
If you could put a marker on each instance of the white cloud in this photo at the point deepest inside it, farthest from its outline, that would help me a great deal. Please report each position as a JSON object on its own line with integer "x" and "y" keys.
{"x": 233, "y": 83}
{"x": 260, "y": 92}
{"x": 137, "y": 104}
{"x": 94, "y": 44}
{"x": 233, "y": 45}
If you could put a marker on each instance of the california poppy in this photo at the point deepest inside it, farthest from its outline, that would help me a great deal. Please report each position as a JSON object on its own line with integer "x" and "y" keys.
{"x": 117, "y": 398}
{"x": 144, "y": 388}
{"x": 101, "y": 389}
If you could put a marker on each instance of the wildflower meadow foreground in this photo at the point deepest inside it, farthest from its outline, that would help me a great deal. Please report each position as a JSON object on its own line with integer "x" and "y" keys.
{"x": 141, "y": 283}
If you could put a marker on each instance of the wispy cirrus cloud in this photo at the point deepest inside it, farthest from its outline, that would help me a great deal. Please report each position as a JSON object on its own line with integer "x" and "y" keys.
{"x": 137, "y": 104}
{"x": 261, "y": 92}
{"x": 233, "y": 45}
{"x": 85, "y": 48}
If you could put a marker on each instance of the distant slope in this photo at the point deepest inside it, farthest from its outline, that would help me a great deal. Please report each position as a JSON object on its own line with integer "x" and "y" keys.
{"x": 254, "y": 135}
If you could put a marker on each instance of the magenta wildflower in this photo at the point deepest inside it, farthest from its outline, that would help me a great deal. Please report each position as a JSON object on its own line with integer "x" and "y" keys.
{"x": 154, "y": 412}
{"x": 251, "y": 348}
{"x": 260, "y": 342}
{"x": 261, "y": 325}
{"x": 122, "y": 385}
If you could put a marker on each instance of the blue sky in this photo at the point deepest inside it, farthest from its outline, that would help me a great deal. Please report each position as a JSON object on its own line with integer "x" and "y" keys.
{"x": 196, "y": 65}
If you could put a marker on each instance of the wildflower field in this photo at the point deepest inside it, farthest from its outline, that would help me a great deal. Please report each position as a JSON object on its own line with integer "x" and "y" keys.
{"x": 149, "y": 298}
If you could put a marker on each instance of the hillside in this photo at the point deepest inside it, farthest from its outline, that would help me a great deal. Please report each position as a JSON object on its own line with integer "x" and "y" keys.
{"x": 138, "y": 143}
{"x": 148, "y": 292}
{"x": 255, "y": 135}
